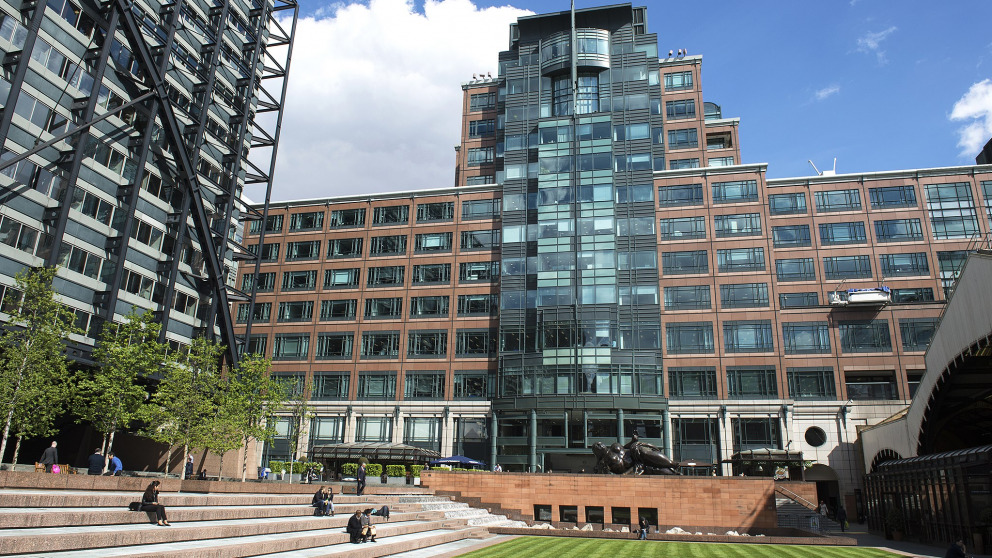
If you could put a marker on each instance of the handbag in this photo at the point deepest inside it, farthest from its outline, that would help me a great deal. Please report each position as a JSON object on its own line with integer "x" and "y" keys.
{"x": 134, "y": 506}
{"x": 56, "y": 469}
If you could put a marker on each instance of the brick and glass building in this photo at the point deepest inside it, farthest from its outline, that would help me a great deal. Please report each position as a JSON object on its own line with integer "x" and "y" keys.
{"x": 606, "y": 265}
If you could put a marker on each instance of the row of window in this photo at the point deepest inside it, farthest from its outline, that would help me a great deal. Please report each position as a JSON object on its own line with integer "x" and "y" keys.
{"x": 392, "y": 307}
{"x": 392, "y": 276}
{"x": 382, "y": 215}
{"x": 804, "y": 383}
{"x": 469, "y": 343}
{"x": 391, "y": 245}
{"x": 418, "y": 384}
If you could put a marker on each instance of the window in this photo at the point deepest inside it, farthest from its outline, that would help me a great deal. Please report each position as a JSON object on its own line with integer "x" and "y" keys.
{"x": 480, "y": 240}
{"x": 847, "y": 267}
{"x": 291, "y": 347}
{"x": 745, "y": 382}
{"x": 789, "y": 236}
{"x": 85, "y": 263}
{"x": 477, "y": 304}
{"x": 867, "y": 386}
{"x": 328, "y": 386}
{"x": 270, "y": 252}
{"x": 892, "y": 196}
{"x": 423, "y": 385}
{"x": 380, "y": 344}
{"x": 296, "y": 311}
{"x": 439, "y": 211}
{"x": 480, "y": 179}
{"x": 262, "y": 312}
{"x": 306, "y": 250}
{"x": 387, "y": 245}
{"x": 480, "y": 209}
{"x": 478, "y": 272}
{"x": 480, "y": 156}
{"x": 898, "y": 230}
{"x": 475, "y": 343}
{"x": 684, "y": 263}
{"x": 428, "y": 306}
{"x": 690, "y": 297}
{"x": 256, "y": 345}
{"x": 837, "y": 200}
{"x": 340, "y": 278}
{"x": 680, "y": 110}
{"x": 904, "y": 265}
{"x": 756, "y": 433}
{"x": 692, "y": 382}
{"x": 432, "y": 242}
{"x": 689, "y": 338}
{"x": 682, "y": 228}
{"x": 639, "y": 259}
{"x": 743, "y": 224}
{"x": 634, "y": 193}
{"x": 787, "y": 204}
{"x": 865, "y": 337}
{"x": 690, "y": 163}
{"x": 811, "y": 384}
{"x": 428, "y": 343}
{"x": 383, "y": 307}
{"x": 346, "y": 218}
{"x": 916, "y": 333}
{"x": 832, "y": 234}
{"x": 950, "y": 264}
{"x": 266, "y": 282}
{"x": 912, "y": 294}
{"x": 802, "y": 338}
{"x": 481, "y": 128}
{"x": 629, "y": 132}
{"x": 678, "y": 81}
{"x": 338, "y": 309}
{"x": 375, "y": 429}
{"x": 273, "y": 224}
{"x": 798, "y": 300}
{"x": 313, "y": 220}
{"x": 299, "y": 280}
{"x": 952, "y": 210}
{"x": 681, "y": 195}
{"x": 744, "y": 295}
{"x": 727, "y": 161}
{"x": 433, "y": 274}
{"x": 469, "y": 385}
{"x": 795, "y": 269}
{"x": 482, "y": 101}
{"x": 735, "y": 191}
{"x": 389, "y": 276}
{"x": 747, "y": 336}
{"x": 391, "y": 215}
{"x": 335, "y": 345}
{"x": 683, "y": 139}
{"x": 344, "y": 248}
{"x": 735, "y": 260}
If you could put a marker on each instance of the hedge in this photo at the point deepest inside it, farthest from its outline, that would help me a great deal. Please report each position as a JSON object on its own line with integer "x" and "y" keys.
{"x": 395, "y": 470}
{"x": 298, "y": 467}
{"x": 373, "y": 470}
{"x": 415, "y": 469}
{"x": 349, "y": 469}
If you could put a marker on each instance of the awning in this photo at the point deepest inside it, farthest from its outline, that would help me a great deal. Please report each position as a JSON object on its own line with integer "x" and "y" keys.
{"x": 457, "y": 460}
{"x": 373, "y": 451}
{"x": 765, "y": 454}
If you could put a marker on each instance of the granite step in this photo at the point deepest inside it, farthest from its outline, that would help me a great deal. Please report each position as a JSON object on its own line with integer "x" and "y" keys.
{"x": 451, "y": 549}
{"x": 425, "y": 542}
{"x": 27, "y": 498}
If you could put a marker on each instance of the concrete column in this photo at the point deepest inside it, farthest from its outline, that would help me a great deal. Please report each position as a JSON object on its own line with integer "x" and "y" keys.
{"x": 398, "y": 420}
{"x": 533, "y": 440}
{"x": 666, "y": 434}
{"x": 492, "y": 441}
{"x": 726, "y": 440}
{"x": 621, "y": 435}
{"x": 447, "y": 433}
{"x": 349, "y": 425}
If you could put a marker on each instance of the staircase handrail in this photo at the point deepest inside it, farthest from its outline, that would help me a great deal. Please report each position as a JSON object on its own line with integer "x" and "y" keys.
{"x": 795, "y": 497}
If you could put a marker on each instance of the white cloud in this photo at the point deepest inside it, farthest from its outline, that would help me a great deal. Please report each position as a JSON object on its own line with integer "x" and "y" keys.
{"x": 374, "y": 99}
{"x": 871, "y": 43}
{"x": 975, "y": 105}
{"x": 828, "y": 91}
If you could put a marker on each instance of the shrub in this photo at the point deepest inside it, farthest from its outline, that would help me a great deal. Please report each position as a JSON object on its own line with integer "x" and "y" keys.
{"x": 349, "y": 469}
{"x": 395, "y": 470}
{"x": 373, "y": 470}
{"x": 415, "y": 469}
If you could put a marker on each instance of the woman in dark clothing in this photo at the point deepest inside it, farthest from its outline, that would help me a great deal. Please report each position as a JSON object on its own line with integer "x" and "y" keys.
{"x": 323, "y": 500}
{"x": 149, "y": 503}
{"x": 644, "y": 526}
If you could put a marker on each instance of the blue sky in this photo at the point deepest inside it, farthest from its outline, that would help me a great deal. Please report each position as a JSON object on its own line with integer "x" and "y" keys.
{"x": 375, "y": 93}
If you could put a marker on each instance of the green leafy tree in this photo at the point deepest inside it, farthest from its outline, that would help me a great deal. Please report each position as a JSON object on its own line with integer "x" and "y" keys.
{"x": 186, "y": 399}
{"x": 254, "y": 397}
{"x": 224, "y": 434}
{"x": 301, "y": 414}
{"x": 110, "y": 395}
{"x": 34, "y": 370}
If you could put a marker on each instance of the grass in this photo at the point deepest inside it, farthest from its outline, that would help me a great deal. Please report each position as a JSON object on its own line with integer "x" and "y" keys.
{"x": 555, "y": 547}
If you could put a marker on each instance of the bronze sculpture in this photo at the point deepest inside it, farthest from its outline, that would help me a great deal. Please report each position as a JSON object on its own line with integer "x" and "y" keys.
{"x": 633, "y": 458}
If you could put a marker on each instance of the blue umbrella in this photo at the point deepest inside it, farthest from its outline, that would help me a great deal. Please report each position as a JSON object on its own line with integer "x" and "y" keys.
{"x": 456, "y": 460}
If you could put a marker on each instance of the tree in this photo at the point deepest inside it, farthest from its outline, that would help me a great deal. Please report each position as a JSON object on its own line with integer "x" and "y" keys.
{"x": 301, "y": 413}
{"x": 224, "y": 434}
{"x": 255, "y": 397}
{"x": 186, "y": 400}
{"x": 110, "y": 395}
{"x": 34, "y": 370}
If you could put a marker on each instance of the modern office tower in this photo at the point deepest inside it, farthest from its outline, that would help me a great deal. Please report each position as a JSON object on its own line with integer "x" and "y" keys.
{"x": 126, "y": 130}
{"x": 639, "y": 279}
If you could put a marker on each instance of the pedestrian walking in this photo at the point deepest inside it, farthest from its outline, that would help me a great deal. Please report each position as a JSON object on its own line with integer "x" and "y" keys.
{"x": 360, "y": 488}
{"x": 842, "y": 518}
{"x": 50, "y": 456}
{"x": 188, "y": 472}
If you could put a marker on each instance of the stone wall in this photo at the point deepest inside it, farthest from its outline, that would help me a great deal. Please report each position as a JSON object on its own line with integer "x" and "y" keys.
{"x": 726, "y": 503}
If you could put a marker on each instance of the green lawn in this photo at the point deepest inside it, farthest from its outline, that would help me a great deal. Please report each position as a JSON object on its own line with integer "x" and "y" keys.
{"x": 559, "y": 547}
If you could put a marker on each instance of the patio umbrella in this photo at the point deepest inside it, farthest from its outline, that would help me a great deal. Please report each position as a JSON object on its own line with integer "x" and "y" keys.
{"x": 458, "y": 460}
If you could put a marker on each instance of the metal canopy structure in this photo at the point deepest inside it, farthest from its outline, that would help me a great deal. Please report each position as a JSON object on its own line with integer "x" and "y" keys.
{"x": 373, "y": 451}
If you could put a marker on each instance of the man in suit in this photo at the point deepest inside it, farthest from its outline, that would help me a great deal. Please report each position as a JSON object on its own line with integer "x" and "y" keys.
{"x": 50, "y": 457}
{"x": 361, "y": 480}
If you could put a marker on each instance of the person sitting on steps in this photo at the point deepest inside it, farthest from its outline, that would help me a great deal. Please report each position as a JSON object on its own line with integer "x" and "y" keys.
{"x": 355, "y": 527}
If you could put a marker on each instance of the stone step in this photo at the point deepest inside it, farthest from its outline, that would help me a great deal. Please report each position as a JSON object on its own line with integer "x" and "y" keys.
{"x": 451, "y": 549}
{"x": 465, "y": 513}
{"x": 22, "y": 498}
{"x": 424, "y": 541}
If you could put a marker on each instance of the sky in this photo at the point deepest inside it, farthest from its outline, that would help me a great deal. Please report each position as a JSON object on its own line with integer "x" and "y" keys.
{"x": 374, "y": 99}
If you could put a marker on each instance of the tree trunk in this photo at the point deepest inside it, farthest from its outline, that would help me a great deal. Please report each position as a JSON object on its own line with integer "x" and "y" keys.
{"x": 220, "y": 466}
{"x": 168, "y": 459}
{"x": 182, "y": 475}
{"x": 244, "y": 462}
{"x": 17, "y": 450}
{"x": 13, "y": 403}
{"x": 110, "y": 442}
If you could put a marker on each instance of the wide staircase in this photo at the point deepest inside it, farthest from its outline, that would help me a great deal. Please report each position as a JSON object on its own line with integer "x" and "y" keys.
{"x": 84, "y": 523}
